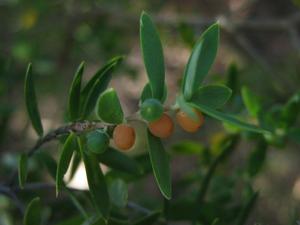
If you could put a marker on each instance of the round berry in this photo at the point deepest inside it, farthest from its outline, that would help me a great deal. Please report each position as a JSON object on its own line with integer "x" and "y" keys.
{"x": 97, "y": 141}
{"x": 124, "y": 136}
{"x": 163, "y": 127}
{"x": 189, "y": 124}
{"x": 151, "y": 109}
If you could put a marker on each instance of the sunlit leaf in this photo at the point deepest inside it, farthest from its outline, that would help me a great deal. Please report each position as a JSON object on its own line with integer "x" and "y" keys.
{"x": 153, "y": 55}
{"x": 201, "y": 60}
{"x": 96, "y": 85}
{"x": 228, "y": 119}
{"x": 160, "y": 165}
{"x": 251, "y": 101}
{"x": 109, "y": 108}
{"x": 31, "y": 102}
{"x": 213, "y": 96}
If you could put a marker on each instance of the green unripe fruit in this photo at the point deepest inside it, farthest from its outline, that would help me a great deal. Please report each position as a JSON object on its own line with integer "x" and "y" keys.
{"x": 97, "y": 141}
{"x": 151, "y": 109}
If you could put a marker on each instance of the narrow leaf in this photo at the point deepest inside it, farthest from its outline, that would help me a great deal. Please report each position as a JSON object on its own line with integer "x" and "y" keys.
{"x": 147, "y": 93}
{"x": 246, "y": 210}
{"x": 32, "y": 214}
{"x": 201, "y": 60}
{"x": 96, "y": 85}
{"x": 118, "y": 192}
{"x": 99, "y": 74}
{"x": 22, "y": 169}
{"x": 153, "y": 55}
{"x": 213, "y": 96}
{"x": 149, "y": 219}
{"x": 119, "y": 161}
{"x": 74, "y": 94}
{"x": 257, "y": 158}
{"x": 97, "y": 184}
{"x": 160, "y": 165}
{"x": 64, "y": 160}
{"x": 31, "y": 102}
{"x": 228, "y": 119}
{"x": 251, "y": 101}
{"x": 109, "y": 108}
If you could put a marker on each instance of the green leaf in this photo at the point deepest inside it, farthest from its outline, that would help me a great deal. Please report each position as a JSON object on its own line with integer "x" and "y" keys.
{"x": 74, "y": 94}
{"x": 22, "y": 169}
{"x": 188, "y": 147}
{"x": 32, "y": 214}
{"x": 95, "y": 220}
{"x": 76, "y": 203}
{"x": 96, "y": 85}
{"x": 228, "y": 119}
{"x": 213, "y": 96}
{"x": 97, "y": 184}
{"x": 109, "y": 108}
{"x": 64, "y": 160}
{"x": 119, "y": 161}
{"x": 99, "y": 74}
{"x": 201, "y": 60}
{"x": 151, "y": 109}
{"x": 290, "y": 111}
{"x": 31, "y": 102}
{"x": 118, "y": 192}
{"x": 186, "y": 108}
{"x": 153, "y": 55}
{"x": 49, "y": 163}
{"x": 147, "y": 93}
{"x": 149, "y": 219}
{"x": 160, "y": 165}
{"x": 257, "y": 158}
{"x": 251, "y": 101}
{"x": 246, "y": 210}
{"x": 97, "y": 141}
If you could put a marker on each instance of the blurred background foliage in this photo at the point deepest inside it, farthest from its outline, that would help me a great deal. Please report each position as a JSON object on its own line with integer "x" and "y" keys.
{"x": 260, "y": 49}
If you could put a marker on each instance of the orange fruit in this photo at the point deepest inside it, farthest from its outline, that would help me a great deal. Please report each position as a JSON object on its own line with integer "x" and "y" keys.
{"x": 124, "y": 136}
{"x": 189, "y": 124}
{"x": 163, "y": 127}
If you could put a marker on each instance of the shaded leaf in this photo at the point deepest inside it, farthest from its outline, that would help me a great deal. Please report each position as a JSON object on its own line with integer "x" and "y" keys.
{"x": 49, "y": 163}
{"x": 213, "y": 96}
{"x": 75, "y": 164}
{"x": 74, "y": 94}
{"x": 257, "y": 158}
{"x": 64, "y": 160}
{"x": 96, "y": 181}
{"x": 153, "y": 55}
{"x": 119, "y": 161}
{"x": 149, "y": 219}
{"x": 22, "y": 170}
{"x": 31, "y": 102}
{"x": 228, "y": 119}
{"x": 109, "y": 108}
{"x": 188, "y": 147}
{"x": 246, "y": 210}
{"x": 201, "y": 60}
{"x": 118, "y": 192}
{"x": 160, "y": 165}
{"x": 32, "y": 214}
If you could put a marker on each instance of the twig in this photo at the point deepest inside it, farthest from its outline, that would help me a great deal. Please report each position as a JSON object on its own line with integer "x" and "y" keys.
{"x": 77, "y": 127}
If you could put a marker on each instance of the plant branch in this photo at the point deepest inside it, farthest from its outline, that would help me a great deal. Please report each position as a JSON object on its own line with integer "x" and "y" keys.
{"x": 76, "y": 127}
